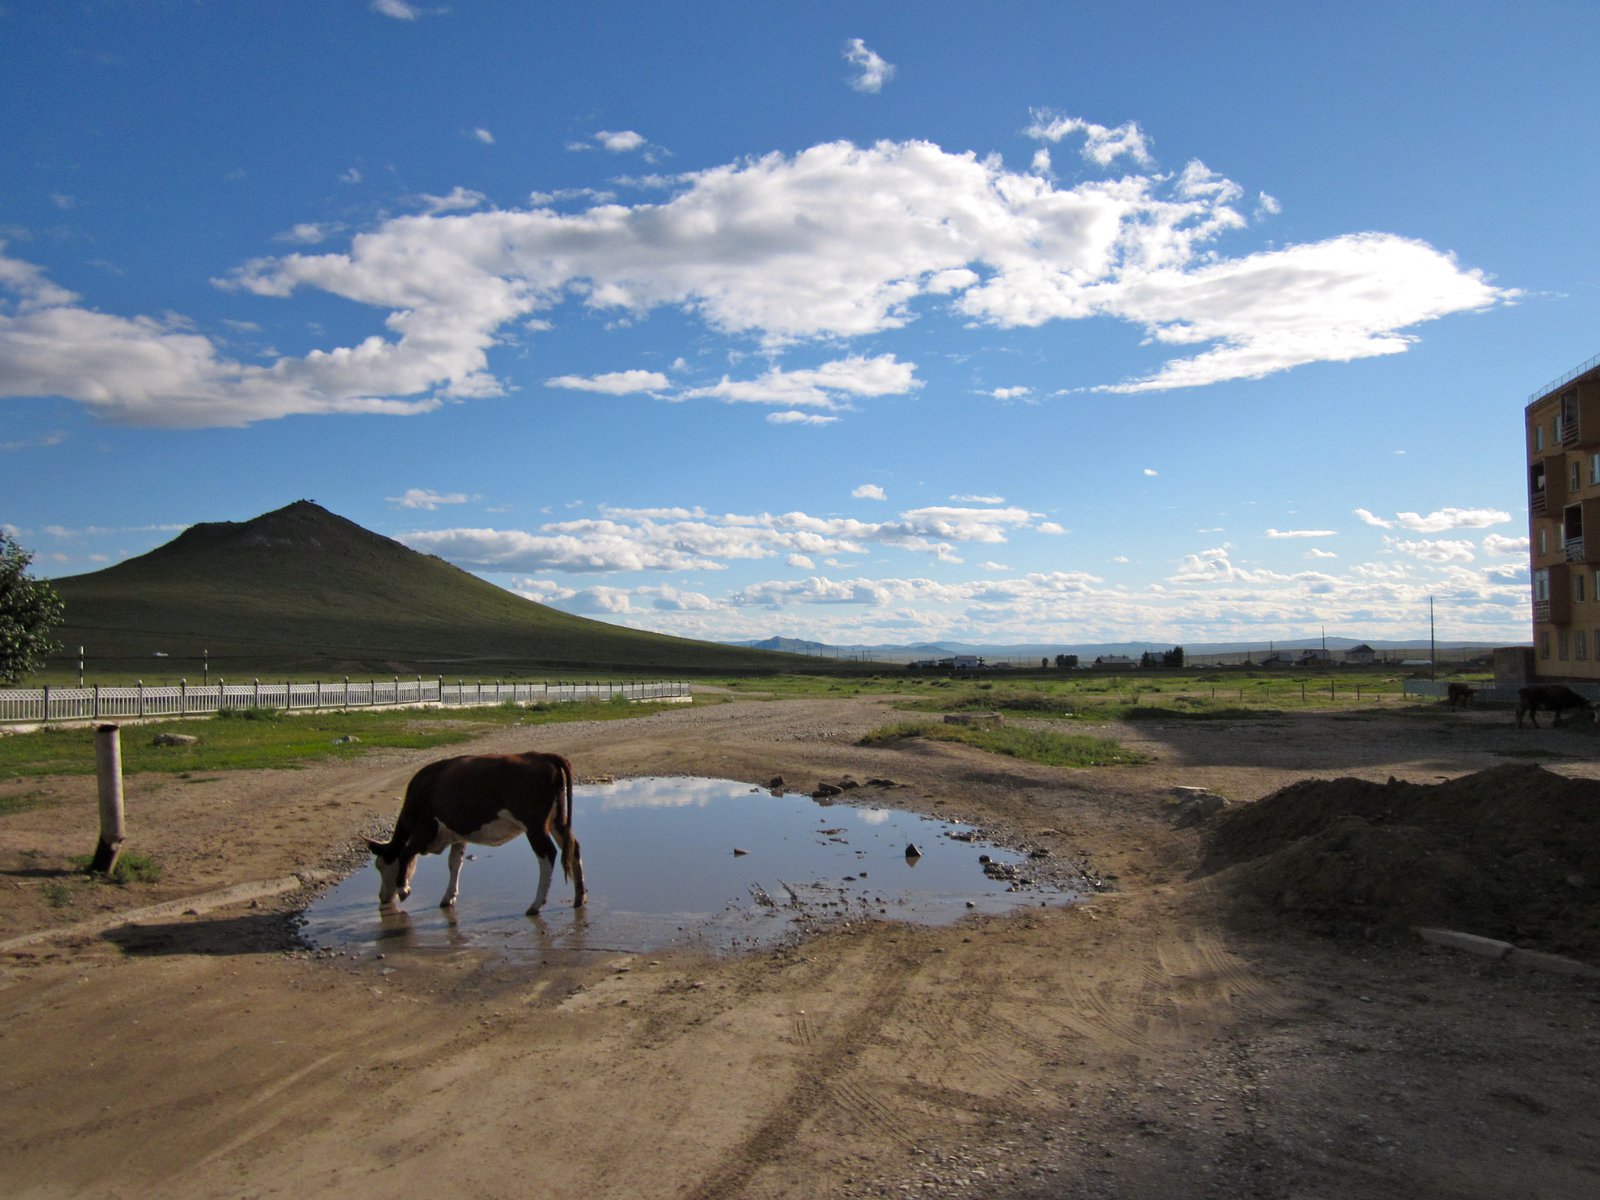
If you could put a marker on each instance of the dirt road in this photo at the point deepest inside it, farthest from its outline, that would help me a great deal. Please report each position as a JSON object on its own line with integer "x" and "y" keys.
{"x": 1165, "y": 1038}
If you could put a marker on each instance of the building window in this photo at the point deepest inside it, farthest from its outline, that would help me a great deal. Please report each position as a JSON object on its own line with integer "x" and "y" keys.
{"x": 1580, "y": 646}
{"x": 1541, "y": 584}
{"x": 1544, "y": 643}
{"x": 1577, "y": 588}
{"x": 1594, "y": 468}
{"x": 1538, "y": 436}
{"x": 1574, "y": 480}
{"x": 1563, "y": 644}
{"x": 1544, "y": 541}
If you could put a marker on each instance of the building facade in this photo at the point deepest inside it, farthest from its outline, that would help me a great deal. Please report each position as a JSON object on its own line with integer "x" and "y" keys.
{"x": 1562, "y": 424}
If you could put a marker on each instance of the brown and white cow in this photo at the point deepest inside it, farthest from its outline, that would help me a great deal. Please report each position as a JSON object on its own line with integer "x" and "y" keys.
{"x": 1557, "y": 698}
{"x": 485, "y": 799}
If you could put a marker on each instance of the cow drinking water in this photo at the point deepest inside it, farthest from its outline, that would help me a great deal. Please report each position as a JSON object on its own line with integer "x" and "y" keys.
{"x": 1556, "y": 698}
{"x": 485, "y": 799}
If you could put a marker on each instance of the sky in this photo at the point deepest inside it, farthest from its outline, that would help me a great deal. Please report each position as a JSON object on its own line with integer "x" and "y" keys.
{"x": 863, "y": 323}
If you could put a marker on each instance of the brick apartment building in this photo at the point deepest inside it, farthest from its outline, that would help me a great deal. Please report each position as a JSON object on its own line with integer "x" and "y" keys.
{"x": 1563, "y": 432}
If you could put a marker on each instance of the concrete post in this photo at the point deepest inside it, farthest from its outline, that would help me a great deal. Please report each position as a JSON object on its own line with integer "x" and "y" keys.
{"x": 108, "y": 765}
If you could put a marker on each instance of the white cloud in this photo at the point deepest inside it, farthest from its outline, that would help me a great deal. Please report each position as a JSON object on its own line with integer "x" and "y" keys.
{"x": 481, "y": 134}
{"x": 1302, "y": 533}
{"x": 1498, "y": 545}
{"x": 827, "y": 387}
{"x": 868, "y": 491}
{"x": 309, "y": 233}
{"x": 1101, "y": 145}
{"x": 1433, "y": 550}
{"x": 796, "y": 417}
{"x": 1151, "y": 472}
{"x": 1315, "y": 552}
{"x": 400, "y": 10}
{"x": 612, "y": 383}
{"x": 458, "y": 200}
{"x": 1011, "y": 393}
{"x": 619, "y": 142}
{"x": 872, "y": 72}
{"x": 1439, "y": 520}
{"x": 423, "y": 498}
{"x": 833, "y": 243}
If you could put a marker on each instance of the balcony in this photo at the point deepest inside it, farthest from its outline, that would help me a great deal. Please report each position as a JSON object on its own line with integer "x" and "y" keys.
{"x": 1541, "y": 612}
{"x": 1574, "y": 550}
{"x": 1539, "y": 502}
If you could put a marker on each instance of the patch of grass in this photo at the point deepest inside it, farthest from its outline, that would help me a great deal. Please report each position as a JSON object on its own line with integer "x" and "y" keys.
{"x": 242, "y": 739}
{"x": 58, "y": 894}
{"x": 1046, "y": 747}
{"x": 132, "y": 866}
{"x": 16, "y": 804}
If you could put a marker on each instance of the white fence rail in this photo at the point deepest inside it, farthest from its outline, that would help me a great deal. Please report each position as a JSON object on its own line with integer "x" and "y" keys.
{"x": 32, "y": 705}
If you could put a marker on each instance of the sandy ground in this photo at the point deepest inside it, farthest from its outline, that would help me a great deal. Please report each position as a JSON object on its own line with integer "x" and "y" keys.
{"x": 1157, "y": 1040}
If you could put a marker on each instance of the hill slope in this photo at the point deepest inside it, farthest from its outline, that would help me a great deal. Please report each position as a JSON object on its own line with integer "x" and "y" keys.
{"x": 305, "y": 589}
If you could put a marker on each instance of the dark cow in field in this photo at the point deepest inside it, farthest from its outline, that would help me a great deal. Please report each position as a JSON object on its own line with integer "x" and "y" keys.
{"x": 1556, "y": 698}
{"x": 1459, "y": 695}
{"x": 485, "y": 799}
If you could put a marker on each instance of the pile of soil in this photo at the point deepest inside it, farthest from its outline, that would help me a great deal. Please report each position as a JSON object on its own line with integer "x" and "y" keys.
{"x": 1512, "y": 852}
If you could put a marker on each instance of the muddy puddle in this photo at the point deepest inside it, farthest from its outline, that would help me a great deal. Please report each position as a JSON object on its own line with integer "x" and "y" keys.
{"x": 712, "y": 863}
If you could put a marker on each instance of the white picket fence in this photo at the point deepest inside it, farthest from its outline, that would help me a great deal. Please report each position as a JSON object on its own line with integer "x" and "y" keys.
{"x": 36, "y": 705}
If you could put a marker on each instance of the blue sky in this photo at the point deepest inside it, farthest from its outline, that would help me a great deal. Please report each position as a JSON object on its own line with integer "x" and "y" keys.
{"x": 864, "y": 323}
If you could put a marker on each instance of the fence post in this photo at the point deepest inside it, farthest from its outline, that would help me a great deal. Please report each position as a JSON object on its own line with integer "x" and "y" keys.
{"x": 108, "y": 766}
{"x": 97, "y": 701}
{"x": 141, "y": 699}
{"x": 183, "y": 696}
{"x": 46, "y": 702}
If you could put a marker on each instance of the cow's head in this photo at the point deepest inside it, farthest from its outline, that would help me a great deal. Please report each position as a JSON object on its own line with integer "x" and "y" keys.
{"x": 395, "y": 869}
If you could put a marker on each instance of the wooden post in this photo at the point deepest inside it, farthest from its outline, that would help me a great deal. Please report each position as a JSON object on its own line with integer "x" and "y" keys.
{"x": 108, "y": 764}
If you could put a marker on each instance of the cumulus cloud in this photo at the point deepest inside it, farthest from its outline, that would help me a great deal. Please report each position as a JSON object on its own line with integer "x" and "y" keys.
{"x": 868, "y": 491}
{"x": 1434, "y": 550}
{"x": 872, "y": 72}
{"x": 400, "y": 10}
{"x": 689, "y": 539}
{"x": 424, "y": 498}
{"x": 612, "y": 383}
{"x": 619, "y": 141}
{"x": 1101, "y": 144}
{"x": 481, "y": 134}
{"x": 1437, "y": 521}
{"x": 1302, "y": 533}
{"x": 833, "y": 243}
{"x": 1497, "y": 545}
{"x": 828, "y": 386}
{"x": 1011, "y": 393}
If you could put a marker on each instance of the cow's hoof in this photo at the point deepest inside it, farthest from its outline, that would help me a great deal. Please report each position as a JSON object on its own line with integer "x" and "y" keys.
{"x": 448, "y": 902}
{"x": 533, "y": 910}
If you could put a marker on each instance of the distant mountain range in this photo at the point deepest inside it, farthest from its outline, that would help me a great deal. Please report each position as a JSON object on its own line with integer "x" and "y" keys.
{"x": 1031, "y": 653}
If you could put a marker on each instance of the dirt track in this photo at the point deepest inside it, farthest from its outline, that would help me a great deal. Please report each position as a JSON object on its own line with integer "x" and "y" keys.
{"x": 1161, "y": 1040}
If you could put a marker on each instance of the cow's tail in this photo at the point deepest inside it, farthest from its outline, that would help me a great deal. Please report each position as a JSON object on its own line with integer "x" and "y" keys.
{"x": 564, "y": 820}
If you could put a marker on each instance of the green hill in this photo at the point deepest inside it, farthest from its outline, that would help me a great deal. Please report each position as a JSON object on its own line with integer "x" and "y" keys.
{"x": 303, "y": 590}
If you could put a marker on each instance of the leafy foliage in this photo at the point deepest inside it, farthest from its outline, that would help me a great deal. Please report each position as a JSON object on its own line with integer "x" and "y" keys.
{"x": 29, "y": 611}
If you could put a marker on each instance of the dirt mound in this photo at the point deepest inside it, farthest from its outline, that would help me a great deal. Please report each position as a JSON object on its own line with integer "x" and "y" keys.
{"x": 1512, "y": 852}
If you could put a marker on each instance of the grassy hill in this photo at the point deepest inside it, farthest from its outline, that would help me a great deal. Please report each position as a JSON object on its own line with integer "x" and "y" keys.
{"x": 303, "y": 590}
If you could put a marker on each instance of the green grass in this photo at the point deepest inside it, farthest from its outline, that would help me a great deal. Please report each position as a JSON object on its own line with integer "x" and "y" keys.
{"x": 1046, "y": 747}
{"x": 252, "y": 738}
{"x": 132, "y": 866}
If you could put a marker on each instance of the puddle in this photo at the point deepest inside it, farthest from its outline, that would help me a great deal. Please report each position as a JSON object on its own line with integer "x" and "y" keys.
{"x": 660, "y": 861}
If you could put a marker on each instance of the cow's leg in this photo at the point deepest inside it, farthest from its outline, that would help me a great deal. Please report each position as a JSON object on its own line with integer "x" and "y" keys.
{"x": 458, "y": 855}
{"x": 545, "y": 850}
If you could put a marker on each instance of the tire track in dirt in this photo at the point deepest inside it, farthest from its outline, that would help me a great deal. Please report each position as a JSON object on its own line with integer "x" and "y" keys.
{"x": 821, "y": 1087}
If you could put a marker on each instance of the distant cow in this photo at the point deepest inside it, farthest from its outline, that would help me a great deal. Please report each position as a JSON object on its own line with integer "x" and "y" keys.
{"x": 1459, "y": 695}
{"x": 1556, "y": 697}
{"x": 485, "y": 799}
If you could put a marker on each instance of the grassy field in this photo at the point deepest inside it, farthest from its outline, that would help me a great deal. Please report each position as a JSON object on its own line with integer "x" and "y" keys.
{"x": 262, "y": 738}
